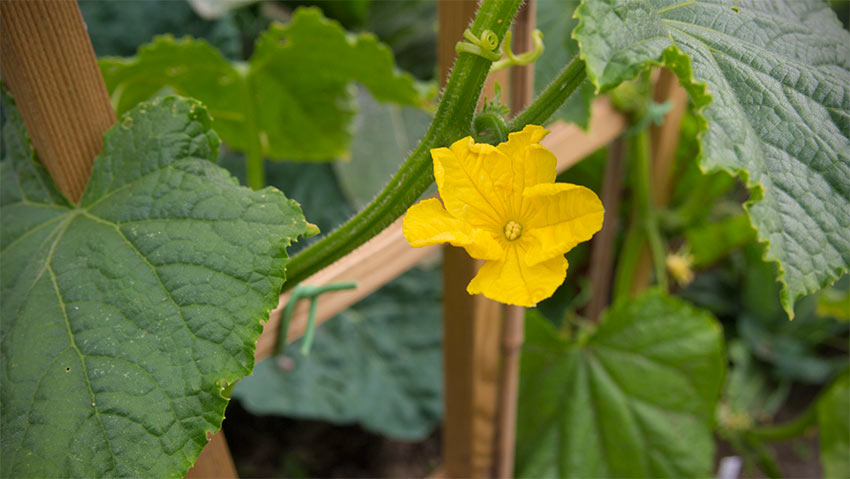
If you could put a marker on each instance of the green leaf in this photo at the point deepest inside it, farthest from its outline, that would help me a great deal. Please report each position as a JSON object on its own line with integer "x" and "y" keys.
{"x": 834, "y": 426}
{"x": 711, "y": 241}
{"x": 772, "y": 80}
{"x": 377, "y": 364}
{"x": 636, "y": 399}
{"x": 555, "y": 20}
{"x": 384, "y": 134}
{"x": 835, "y": 300}
{"x": 124, "y": 318}
{"x": 290, "y": 101}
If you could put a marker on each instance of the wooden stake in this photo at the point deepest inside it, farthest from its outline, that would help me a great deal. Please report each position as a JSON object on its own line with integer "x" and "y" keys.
{"x": 49, "y": 63}
{"x": 471, "y": 324}
{"x": 602, "y": 256}
{"x": 665, "y": 137}
{"x": 522, "y": 91}
{"x": 215, "y": 461}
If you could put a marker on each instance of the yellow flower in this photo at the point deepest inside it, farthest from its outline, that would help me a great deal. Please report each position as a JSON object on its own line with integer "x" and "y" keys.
{"x": 502, "y": 205}
{"x": 680, "y": 267}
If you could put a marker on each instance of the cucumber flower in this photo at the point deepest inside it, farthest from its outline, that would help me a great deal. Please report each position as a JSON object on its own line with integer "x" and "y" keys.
{"x": 502, "y": 205}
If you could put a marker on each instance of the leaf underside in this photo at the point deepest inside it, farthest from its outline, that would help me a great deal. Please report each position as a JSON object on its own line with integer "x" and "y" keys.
{"x": 377, "y": 364}
{"x": 124, "y": 317}
{"x": 554, "y": 19}
{"x": 772, "y": 81}
{"x": 636, "y": 400}
{"x": 384, "y": 135}
{"x": 290, "y": 101}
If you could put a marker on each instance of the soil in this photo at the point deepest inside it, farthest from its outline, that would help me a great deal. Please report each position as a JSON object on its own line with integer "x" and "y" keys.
{"x": 273, "y": 446}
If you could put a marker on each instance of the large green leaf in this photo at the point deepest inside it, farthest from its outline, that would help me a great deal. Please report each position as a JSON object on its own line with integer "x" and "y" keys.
{"x": 290, "y": 101}
{"x": 384, "y": 134}
{"x": 635, "y": 399}
{"x": 124, "y": 317}
{"x": 772, "y": 80}
{"x": 833, "y": 413}
{"x": 377, "y": 364}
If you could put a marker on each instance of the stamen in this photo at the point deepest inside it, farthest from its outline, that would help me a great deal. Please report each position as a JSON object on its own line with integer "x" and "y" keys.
{"x": 513, "y": 230}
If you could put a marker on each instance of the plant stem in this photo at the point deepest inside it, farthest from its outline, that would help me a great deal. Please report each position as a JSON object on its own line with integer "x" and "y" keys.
{"x": 255, "y": 171}
{"x": 552, "y": 97}
{"x": 644, "y": 228}
{"x": 452, "y": 121}
{"x": 787, "y": 430}
{"x": 646, "y": 209}
{"x": 627, "y": 262}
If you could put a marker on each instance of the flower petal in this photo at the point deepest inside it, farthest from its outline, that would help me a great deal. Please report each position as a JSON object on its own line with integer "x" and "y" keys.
{"x": 531, "y": 163}
{"x": 557, "y": 217}
{"x": 531, "y": 134}
{"x": 427, "y": 223}
{"x": 512, "y": 281}
{"x": 474, "y": 180}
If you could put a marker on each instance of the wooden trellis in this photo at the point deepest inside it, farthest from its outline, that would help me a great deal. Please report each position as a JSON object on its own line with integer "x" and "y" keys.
{"x": 49, "y": 64}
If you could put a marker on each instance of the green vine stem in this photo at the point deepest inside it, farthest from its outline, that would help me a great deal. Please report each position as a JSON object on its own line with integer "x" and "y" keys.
{"x": 646, "y": 209}
{"x": 453, "y": 120}
{"x": 787, "y": 430}
{"x": 255, "y": 168}
{"x": 644, "y": 228}
{"x": 627, "y": 262}
{"x": 255, "y": 172}
{"x": 552, "y": 97}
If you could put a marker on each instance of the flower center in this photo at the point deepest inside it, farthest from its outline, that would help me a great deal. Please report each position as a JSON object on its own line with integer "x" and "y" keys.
{"x": 513, "y": 230}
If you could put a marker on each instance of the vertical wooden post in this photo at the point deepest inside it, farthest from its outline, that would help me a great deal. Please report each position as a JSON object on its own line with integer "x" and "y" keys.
{"x": 665, "y": 137}
{"x": 215, "y": 461}
{"x": 48, "y": 61}
{"x": 471, "y": 324}
{"x": 602, "y": 256}
{"x": 522, "y": 91}
{"x": 481, "y": 338}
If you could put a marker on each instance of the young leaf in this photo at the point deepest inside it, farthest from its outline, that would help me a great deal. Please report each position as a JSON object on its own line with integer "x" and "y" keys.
{"x": 290, "y": 101}
{"x": 637, "y": 399}
{"x": 377, "y": 364}
{"x": 772, "y": 80}
{"x": 834, "y": 427}
{"x": 124, "y": 317}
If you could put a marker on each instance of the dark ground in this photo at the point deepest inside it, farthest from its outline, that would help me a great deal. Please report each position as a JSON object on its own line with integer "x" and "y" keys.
{"x": 272, "y": 446}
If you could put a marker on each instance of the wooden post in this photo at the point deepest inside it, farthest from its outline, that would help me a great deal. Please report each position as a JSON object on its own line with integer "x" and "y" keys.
{"x": 602, "y": 256}
{"x": 522, "y": 91}
{"x": 214, "y": 462}
{"x": 471, "y": 324}
{"x": 48, "y": 61}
